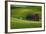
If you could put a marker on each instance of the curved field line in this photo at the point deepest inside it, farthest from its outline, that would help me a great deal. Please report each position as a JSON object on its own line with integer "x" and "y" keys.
{"x": 24, "y": 21}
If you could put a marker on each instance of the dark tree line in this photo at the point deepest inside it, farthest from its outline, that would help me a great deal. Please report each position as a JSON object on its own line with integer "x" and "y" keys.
{"x": 34, "y": 17}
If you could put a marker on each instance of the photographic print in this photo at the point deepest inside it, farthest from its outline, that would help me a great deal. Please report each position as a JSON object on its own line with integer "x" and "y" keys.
{"x": 25, "y": 16}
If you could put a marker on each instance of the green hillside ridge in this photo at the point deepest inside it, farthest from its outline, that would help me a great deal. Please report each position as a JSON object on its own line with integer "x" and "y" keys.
{"x": 18, "y": 17}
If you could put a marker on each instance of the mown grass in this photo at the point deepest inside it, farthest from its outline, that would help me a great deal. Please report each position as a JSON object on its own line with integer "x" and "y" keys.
{"x": 18, "y": 23}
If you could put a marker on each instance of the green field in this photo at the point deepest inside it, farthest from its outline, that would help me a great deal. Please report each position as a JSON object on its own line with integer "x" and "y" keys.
{"x": 18, "y": 15}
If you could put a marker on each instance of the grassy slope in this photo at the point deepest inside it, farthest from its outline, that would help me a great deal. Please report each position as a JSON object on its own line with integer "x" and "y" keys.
{"x": 18, "y": 23}
{"x": 22, "y": 12}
